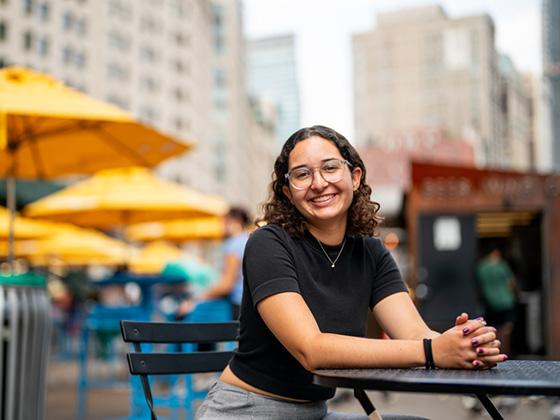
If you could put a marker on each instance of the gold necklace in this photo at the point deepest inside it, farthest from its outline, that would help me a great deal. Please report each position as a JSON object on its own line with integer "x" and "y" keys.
{"x": 333, "y": 262}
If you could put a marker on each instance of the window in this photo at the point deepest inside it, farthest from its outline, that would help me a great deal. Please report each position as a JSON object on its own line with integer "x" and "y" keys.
{"x": 178, "y": 65}
{"x": 150, "y": 24}
{"x": 81, "y": 26}
{"x": 148, "y": 114}
{"x": 180, "y": 94}
{"x": 3, "y": 31}
{"x": 148, "y": 84}
{"x": 220, "y": 104}
{"x": 148, "y": 54}
{"x": 178, "y": 123}
{"x": 44, "y": 11}
{"x": 219, "y": 78}
{"x": 43, "y": 47}
{"x": 118, "y": 41}
{"x": 181, "y": 67}
{"x": 80, "y": 59}
{"x": 447, "y": 234}
{"x": 118, "y": 9}
{"x": 118, "y": 100}
{"x": 28, "y": 6}
{"x": 117, "y": 72}
{"x": 181, "y": 39}
{"x": 67, "y": 21}
{"x": 67, "y": 55}
{"x": 27, "y": 40}
{"x": 218, "y": 28}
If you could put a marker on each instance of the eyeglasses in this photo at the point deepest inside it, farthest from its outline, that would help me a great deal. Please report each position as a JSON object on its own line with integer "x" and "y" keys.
{"x": 331, "y": 171}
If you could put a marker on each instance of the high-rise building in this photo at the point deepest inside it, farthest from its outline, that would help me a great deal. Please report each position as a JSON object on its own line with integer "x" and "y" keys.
{"x": 420, "y": 69}
{"x": 272, "y": 77}
{"x": 551, "y": 73}
{"x": 515, "y": 120}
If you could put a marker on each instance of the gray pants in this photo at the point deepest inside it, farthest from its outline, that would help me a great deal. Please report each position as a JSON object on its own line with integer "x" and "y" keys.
{"x": 225, "y": 401}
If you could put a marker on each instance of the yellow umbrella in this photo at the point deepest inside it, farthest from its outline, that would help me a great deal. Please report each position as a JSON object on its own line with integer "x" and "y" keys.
{"x": 178, "y": 230}
{"x": 72, "y": 246}
{"x": 23, "y": 228}
{"x": 49, "y": 130}
{"x": 152, "y": 258}
{"x": 117, "y": 197}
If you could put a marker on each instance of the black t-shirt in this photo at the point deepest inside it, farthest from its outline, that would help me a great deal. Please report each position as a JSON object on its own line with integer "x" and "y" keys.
{"x": 338, "y": 297}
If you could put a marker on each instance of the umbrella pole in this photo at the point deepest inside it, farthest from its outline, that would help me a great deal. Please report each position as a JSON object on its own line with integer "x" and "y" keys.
{"x": 11, "y": 204}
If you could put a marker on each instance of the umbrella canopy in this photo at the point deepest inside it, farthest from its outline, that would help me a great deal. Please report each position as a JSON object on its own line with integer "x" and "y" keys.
{"x": 28, "y": 191}
{"x": 152, "y": 258}
{"x": 49, "y": 130}
{"x": 117, "y": 197}
{"x": 178, "y": 230}
{"x": 71, "y": 246}
{"x": 23, "y": 228}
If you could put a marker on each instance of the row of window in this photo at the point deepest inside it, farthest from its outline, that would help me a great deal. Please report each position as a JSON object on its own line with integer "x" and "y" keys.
{"x": 123, "y": 42}
{"x": 71, "y": 22}
{"x": 148, "y": 113}
{"x": 124, "y": 10}
{"x": 74, "y": 56}
{"x": 71, "y": 55}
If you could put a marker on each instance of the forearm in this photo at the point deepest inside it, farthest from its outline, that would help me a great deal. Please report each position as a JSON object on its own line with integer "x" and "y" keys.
{"x": 341, "y": 351}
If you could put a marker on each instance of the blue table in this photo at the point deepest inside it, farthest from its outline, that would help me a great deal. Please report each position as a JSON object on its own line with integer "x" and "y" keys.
{"x": 146, "y": 284}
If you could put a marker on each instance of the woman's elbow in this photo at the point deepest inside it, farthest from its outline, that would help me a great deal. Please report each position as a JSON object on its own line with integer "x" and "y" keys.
{"x": 308, "y": 362}
{"x": 309, "y": 356}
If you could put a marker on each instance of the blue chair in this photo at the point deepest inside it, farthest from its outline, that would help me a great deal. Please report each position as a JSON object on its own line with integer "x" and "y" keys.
{"x": 145, "y": 364}
{"x": 209, "y": 311}
{"x": 183, "y": 391}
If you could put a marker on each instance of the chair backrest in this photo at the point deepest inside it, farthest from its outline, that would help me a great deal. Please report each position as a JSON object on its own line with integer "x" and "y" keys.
{"x": 144, "y": 363}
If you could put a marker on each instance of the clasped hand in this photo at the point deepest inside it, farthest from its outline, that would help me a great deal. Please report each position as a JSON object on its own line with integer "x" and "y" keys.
{"x": 470, "y": 344}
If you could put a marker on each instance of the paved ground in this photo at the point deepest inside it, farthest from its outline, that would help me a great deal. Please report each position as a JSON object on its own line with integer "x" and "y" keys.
{"x": 113, "y": 403}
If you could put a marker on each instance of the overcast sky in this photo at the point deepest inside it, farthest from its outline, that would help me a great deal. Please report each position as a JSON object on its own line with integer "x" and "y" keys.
{"x": 324, "y": 28}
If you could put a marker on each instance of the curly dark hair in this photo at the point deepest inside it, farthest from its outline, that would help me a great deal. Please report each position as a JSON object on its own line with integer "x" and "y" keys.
{"x": 363, "y": 215}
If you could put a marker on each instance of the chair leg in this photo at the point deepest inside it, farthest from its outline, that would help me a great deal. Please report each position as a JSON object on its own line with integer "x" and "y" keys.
{"x": 82, "y": 375}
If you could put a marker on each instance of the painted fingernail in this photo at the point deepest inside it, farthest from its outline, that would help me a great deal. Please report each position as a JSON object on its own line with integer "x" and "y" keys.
{"x": 505, "y": 358}
{"x": 476, "y": 363}
{"x": 479, "y": 318}
{"x": 474, "y": 341}
{"x": 483, "y": 322}
{"x": 465, "y": 331}
{"x": 480, "y": 351}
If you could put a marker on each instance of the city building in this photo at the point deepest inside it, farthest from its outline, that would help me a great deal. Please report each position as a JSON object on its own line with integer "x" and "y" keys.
{"x": 420, "y": 69}
{"x": 272, "y": 76}
{"x": 175, "y": 64}
{"x": 551, "y": 74}
{"x": 262, "y": 150}
{"x": 515, "y": 120}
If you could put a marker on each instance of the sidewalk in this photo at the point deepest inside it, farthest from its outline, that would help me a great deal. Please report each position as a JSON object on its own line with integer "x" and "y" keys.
{"x": 113, "y": 403}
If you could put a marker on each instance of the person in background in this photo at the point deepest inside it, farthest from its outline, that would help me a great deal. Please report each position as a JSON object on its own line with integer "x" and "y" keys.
{"x": 310, "y": 276}
{"x": 230, "y": 284}
{"x": 497, "y": 286}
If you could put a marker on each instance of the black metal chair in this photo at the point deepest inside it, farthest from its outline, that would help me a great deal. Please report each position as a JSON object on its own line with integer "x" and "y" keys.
{"x": 144, "y": 363}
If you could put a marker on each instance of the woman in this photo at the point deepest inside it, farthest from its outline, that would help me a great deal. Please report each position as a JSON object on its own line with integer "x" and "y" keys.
{"x": 310, "y": 276}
